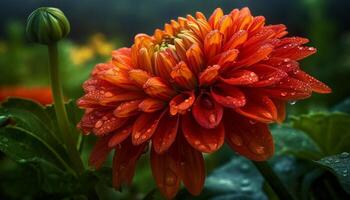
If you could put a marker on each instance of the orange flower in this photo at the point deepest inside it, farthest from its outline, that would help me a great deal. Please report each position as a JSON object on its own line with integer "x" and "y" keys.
{"x": 40, "y": 94}
{"x": 190, "y": 87}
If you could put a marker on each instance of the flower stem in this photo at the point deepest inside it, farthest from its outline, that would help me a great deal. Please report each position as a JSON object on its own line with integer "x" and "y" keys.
{"x": 60, "y": 109}
{"x": 273, "y": 180}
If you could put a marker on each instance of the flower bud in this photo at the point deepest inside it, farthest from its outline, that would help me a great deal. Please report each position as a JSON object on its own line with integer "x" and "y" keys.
{"x": 47, "y": 25}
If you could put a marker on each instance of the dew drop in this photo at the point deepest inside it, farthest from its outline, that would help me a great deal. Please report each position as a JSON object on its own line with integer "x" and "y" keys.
{"x": 344, "y": 155}
{"x": 258, "y": 149}
{"x": 137, "y": 135}
{"x": 98, "y": 124}
{"x": 212, "y": 118}
{"x": 292, "y": 102}
{"x": 197, "y": 142}
{"x": 143, "y": 137}
{"x": 283, "y": 94}
{"x": 170, "y": 178}
{"x": 237, "y": 140}
{"x": 108, "y": 94}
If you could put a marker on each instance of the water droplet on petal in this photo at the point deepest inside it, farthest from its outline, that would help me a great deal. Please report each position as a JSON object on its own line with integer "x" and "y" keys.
{"x": 237, "y": 140}
{"x": 212, "y": 118}
{"x": 98, "y": 124}
{"x": 170, "y": 178}
{"x": 283, "y": 94}
{"x": 252, "y": 122}
{"x": 258, "y": 149}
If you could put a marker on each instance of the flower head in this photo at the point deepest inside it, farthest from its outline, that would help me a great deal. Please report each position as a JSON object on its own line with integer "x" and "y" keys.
{"x": 190, "y": 87}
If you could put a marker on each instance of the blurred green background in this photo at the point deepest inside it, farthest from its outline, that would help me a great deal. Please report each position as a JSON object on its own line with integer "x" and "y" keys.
{"x": 98, "y": 27}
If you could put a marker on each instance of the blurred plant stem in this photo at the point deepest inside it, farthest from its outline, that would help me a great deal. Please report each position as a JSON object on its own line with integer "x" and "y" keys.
{"x": 61, "y": 113}
{"x": 273, "y": 180}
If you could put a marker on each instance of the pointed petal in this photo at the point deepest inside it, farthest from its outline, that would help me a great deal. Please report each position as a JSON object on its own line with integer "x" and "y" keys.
{"x": 213, "y": 43}
{"x": 207, "y": 112}
{"x": 107, "y": 124}
{"x": 127, "y": 109}
{"x": 100, "y": 152}
{"x": 158, "y": 88}
{"x": 165, "y": 134}
{"x": 150, "y": 105}
{"x": 281, "y": 110}
{"x": 316, "y": 85}
{"x": 252, "y": 140}
{"x": 237, "y": 39}
{"x": 215, "y": 18}
{"x": 202, "y": 139}
{"x": 240, "y": 77}
{"x": 124, "y": 162}
{"x": 181, "y": 103}
{"x": 228, "y": 96}
{"x": 166, "y": 172}
{"x": 183, "y": 76}
{"x": 144, "y": 127}
{"x": 250, "y": 58}
{"x": 119, "y": 136}
{"x": 192, "y": 166}
{"x": 209, "y": 75}
{"x": 259, "y": 108}
{"x": 267, "y": 74}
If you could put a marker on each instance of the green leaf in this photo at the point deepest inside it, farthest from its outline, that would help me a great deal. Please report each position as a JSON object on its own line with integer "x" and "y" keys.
{"x": 339, "y": 165}
{"x": 343, "y": 106}
{"x": 237, "y": 179}
{"x": 22, "y": 145}
{"x": 292, "y": 141}
{"x": 329, "y": 130}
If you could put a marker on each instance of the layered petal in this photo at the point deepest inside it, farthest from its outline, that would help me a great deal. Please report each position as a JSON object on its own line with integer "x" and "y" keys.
{"x": 200, "y": 138}
{"x": 252, "y": 140}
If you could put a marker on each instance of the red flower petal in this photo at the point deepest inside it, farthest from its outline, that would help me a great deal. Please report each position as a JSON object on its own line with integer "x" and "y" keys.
{"x": 254, "y": 56}
{"x": 259, "y": 108}
{"x": 100, "y": 152}
{"x": 124, "y": 162}
{"x": 182, "y": 102}
{"x": 107, "y": 124}
{"x": 150, "y": 105}
{"x": 192, "y": 166}
{"x": 144, "y": 127}
{"x": 315, "y": 84}
{"x": 165, "y": 134}
{"x": 207, "y": 112}
{"x": 240, "y": 77}
{"x": 237, "y": 39}
{"x": 209, "y": 75}
{"x": 288, "y": 89}
{"x": 127, "y": 109}
{"x": 202, "y": 139}
{"x": 166, "y": 172}
{"x": 119, "y": 136}
{"x": 228, "y": 96}
{"x": 281, "y": 110}
{"x": 268, "y": 75}
{"x": 252, "y": 140}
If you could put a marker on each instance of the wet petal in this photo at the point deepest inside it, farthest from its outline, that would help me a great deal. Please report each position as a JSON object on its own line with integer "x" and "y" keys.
{"x": 107, "y": 124}
{"x": 209, "y": 75}
{"x": 99, "y": 152}
{"x": 119, "y": 136}
{"x": 228, "y": 96}
{"x": 157, "y": 87}
{"x": 200, "y": 138}
{"x": 259, "y": 108}
{"x": 267, "y": 74}
{"x": 150, "y": 105}
{"x": 124, "y": 162}
{"x": 316, "y": 85}
{"x": 166, "y": 172}
{"x": 239, "y": 77}
{"x": 207, "y": 112}
{"x": 181, "y": 103}
{"x": 144, "y": 127}
{"x": 213, "y": 43}
{"x": 215, "y": 18}
{"x": 165, "y": 134}
{"x": 183, "y": 76}
{"x": 127, "y": 109}
{"x": 252, "y": 140}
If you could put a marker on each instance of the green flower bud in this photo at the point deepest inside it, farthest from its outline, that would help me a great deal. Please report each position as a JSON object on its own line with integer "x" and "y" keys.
{"x": 47, "y": 25}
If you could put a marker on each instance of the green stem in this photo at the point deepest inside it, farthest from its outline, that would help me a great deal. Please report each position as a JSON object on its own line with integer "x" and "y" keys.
{"x": 273, "y": 180}
{"x": 61, "y": 113}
